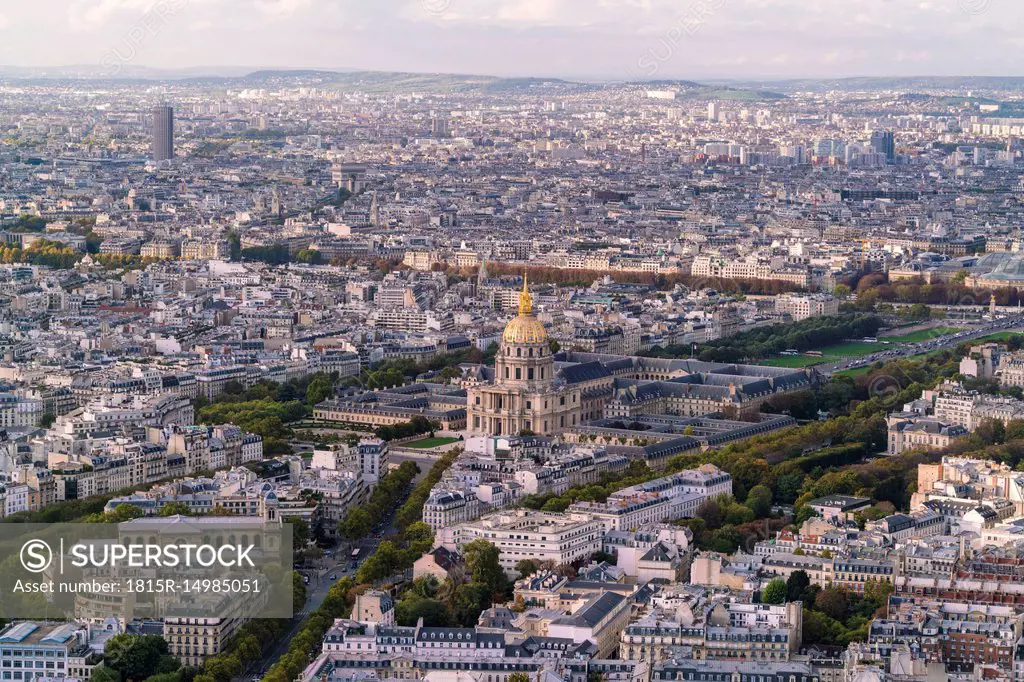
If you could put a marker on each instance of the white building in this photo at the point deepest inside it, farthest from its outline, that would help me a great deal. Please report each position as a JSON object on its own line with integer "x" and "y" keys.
{"x": 526, "y": 534}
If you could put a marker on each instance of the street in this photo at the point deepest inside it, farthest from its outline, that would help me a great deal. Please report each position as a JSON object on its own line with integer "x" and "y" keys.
{"x": 340, "y": 566}
{"x": 892, "y": 352}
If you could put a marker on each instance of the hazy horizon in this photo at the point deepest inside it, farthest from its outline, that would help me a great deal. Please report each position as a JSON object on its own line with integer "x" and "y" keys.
{"x": 592, "y": 39}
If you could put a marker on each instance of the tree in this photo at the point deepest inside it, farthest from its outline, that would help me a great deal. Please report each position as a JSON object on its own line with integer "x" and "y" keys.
{"x": 448, "y": 374}
{"x": 759, "y": 499}
{"x": 878, "y": 591}
{"x": 319, "y": 390}
{"x": 420, "y": 533}
{"x": 796, "y": 585}
{"x": 105, "y": 673}
{"x": 484, "y": 568}
{"x": 526, "y": 567}
{"x": 165, "y": 677}
{"x": 135, "y": 657}
{"x": 712, "y": 513}
{"x": 425, "y": 586}
{"x": 774, "y": 592}
{"x": 518, "y": 677}
{"x": 223, "y": 668}
{"x": 248, "y": 648}
{"x": 300, "y": 531}
{"x": 833, "y": 602}
{"x": 175, "y": 508}
{"x": 356, "y": 524}
{"x": 468, "y": 602}
{"x": 433, "y": 612}
{"x": 122, "y": 513}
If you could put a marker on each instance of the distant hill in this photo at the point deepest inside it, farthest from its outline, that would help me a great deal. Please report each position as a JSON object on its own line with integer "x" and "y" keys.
{"x": 374, "y": 81}
{"x": 909, "y": 84}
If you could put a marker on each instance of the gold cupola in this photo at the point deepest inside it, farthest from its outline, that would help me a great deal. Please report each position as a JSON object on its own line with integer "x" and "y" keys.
{"x": 525, "y": 328}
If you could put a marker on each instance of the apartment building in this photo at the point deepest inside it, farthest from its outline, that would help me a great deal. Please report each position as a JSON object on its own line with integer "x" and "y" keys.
{"x": 805, "y": 306}
{"x": 527, "y": 534}
{"x": 40, "y": 649}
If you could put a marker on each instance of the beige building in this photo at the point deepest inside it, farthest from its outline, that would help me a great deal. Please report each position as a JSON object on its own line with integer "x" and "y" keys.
{"x": 524, "y": 395}
{"x": 921, "y": 433}
{"x": 527, "y": 534}
{"x": 804, "y": 306}
{"x": 193, "y": 640}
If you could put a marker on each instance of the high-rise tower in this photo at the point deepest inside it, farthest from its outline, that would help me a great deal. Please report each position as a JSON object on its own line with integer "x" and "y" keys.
{"x": 163, "y": 133}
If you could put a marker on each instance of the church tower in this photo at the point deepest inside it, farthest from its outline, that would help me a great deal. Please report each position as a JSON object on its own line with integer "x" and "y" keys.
{"x": 525, "y": 395}
{"x": 524, "y": 359}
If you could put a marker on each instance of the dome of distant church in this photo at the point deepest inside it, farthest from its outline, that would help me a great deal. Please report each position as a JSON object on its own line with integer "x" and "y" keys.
{"x": 525, "y": 328}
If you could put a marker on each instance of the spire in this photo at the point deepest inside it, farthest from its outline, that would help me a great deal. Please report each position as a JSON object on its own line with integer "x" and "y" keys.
{"x": 525, "y": 300}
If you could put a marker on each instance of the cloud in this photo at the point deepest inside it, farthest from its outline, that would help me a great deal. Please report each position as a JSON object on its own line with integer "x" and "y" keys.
{"x": 281, "y": 7}
{"x": 90, "y": 15}
{"x": 4, "y": 22}
{"x": 570, "y": 38}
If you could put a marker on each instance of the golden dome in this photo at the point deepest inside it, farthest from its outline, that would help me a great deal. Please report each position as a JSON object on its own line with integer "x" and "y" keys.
{"x": 525, "y": 328}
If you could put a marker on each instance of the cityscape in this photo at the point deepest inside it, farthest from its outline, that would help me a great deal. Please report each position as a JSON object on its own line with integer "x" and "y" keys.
{"x": 702, "y": 371}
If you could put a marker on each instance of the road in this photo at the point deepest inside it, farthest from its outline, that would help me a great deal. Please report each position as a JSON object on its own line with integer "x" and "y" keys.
{"x": 315, "y": 595}
{"x": 892, "y": 352}
{"x": 320, "y": 580}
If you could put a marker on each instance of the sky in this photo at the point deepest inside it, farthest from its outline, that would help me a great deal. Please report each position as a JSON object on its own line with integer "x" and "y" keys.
{"x": 587, "y": 39}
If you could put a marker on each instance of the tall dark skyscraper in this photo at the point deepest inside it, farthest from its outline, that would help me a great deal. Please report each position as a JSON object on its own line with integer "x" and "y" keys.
{"x": 163, "y": 133}
{"x": 883, "y": 142}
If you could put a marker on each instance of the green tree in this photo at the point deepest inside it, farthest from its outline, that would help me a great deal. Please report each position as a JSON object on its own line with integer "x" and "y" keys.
{"x": 526, "y": 567}
{"x": 135, "y": 657}
{"x": 759, "y": 499}
{"x": 425, "y": 586}
{"x": 175, "y": 508}
{"x": 796, "y": 585}
{"x": 105, "y": 673}
{"x": 248, "y": 648}
{"x": 300, "y": 532}
{"x": 319, "y": 390}
{"x": 411, "y": 609}
{"x": 774, "y": 592}
{"x": 223, "y": 668}
{"x": 166, "y": 677}
{"x": 834, "y": 602}
{"x": 120, "y": 514}
{"x": 357, "y": 524}
{"x": 484, "y": 568}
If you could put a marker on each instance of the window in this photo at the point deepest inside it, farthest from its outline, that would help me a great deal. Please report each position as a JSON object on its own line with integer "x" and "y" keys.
{"x": 519, "y": 373}
{"x": 529, "y": 373}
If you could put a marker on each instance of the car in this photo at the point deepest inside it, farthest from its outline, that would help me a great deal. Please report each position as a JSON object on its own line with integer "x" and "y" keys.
{"x": 334, "y": 577}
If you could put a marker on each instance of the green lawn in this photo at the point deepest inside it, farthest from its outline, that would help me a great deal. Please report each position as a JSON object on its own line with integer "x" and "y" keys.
{"x": 921, "y": 335}
{"x": 998, "y": 336}
{"x": 854, "y": 349}
{"x": 856, "y": 372}
{"x": 427, "y": 443}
